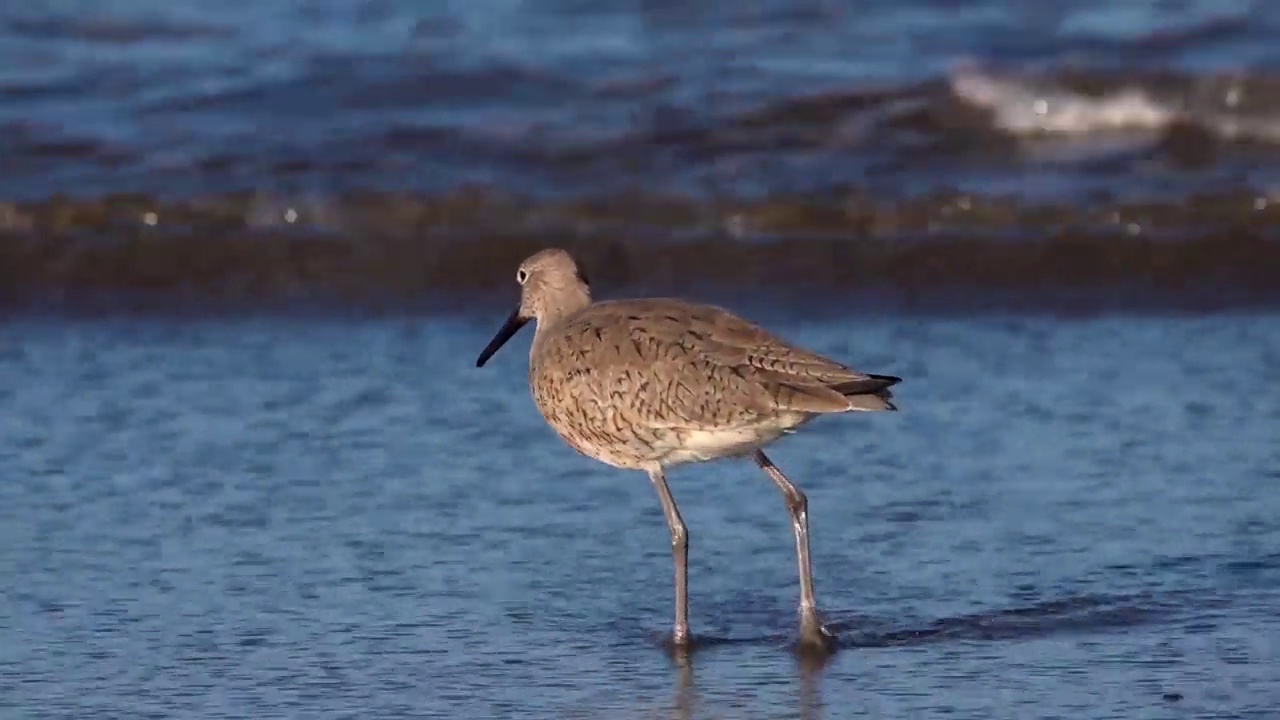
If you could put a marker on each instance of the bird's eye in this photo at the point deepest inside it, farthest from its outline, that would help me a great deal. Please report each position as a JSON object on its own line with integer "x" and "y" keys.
{"x": 521, "y": 276}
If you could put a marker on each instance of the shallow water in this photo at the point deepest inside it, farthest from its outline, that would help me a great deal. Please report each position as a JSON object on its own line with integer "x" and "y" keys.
{"x": 322, "y": 517}
{"x": 308, "y": 515}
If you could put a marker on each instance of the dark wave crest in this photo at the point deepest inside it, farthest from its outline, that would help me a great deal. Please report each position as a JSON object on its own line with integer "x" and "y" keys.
{"x": 953, "y": 251}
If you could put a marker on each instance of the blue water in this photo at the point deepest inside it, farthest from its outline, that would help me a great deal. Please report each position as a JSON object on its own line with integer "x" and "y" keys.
{"x": 324, "y": 516}
{"x": 327, "y": 96}
{"x": 309, "y": 517}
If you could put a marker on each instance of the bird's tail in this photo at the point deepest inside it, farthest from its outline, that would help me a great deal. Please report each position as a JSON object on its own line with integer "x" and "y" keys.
{"x": 870, "y": 393}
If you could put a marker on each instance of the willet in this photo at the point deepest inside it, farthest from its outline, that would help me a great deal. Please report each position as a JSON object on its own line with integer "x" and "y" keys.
{"x": 647, "y": 384}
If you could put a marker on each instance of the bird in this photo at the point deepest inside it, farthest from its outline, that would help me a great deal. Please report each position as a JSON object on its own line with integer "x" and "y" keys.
{"x": 653, "y": 383}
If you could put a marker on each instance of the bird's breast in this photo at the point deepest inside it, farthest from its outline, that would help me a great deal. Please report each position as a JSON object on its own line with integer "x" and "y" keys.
{"x": 594, "y": 412}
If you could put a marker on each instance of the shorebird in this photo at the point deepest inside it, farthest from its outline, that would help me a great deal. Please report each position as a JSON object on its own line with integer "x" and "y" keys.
{"x": 648, "y": 384}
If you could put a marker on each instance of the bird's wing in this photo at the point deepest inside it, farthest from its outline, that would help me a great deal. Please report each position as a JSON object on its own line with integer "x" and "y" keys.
{"x": 699, "y": 366}
{"x": 732, "y": 340}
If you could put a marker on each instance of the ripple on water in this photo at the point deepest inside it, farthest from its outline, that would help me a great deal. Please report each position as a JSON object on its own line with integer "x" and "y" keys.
{"x": 329, "y": 516}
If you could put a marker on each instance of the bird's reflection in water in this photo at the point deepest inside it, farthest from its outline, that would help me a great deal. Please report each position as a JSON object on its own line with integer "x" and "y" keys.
{"x": 686, "y": 699}
{"x": 809, "y": 669}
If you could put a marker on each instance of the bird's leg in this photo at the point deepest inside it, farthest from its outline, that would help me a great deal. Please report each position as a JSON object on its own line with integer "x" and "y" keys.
{"x": 679, "y": 553}
{"x": 812, "y": 633}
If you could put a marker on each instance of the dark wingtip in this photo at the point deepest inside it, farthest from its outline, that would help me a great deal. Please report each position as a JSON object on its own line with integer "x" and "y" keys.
{"x": 868, "y": 385}
{"x": 888, "y": 380}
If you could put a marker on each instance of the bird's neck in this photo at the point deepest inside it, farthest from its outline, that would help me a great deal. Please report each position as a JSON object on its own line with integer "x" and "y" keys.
{"x": 553, "y": 317}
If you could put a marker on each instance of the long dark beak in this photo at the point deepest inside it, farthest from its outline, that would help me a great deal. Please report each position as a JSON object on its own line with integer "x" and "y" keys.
{"x": 508, "y": 329}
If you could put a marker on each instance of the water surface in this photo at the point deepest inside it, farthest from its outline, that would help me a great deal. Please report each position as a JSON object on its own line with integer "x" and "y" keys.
{"x": 359, "y": 151}
{"x": 308, "y": 516}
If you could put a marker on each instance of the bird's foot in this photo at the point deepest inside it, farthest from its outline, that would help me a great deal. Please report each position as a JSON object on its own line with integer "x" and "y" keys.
{"x": 679, "y": 641}
{"x": 815, "y": 638}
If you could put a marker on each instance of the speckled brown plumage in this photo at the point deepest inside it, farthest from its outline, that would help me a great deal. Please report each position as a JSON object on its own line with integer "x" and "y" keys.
{"x": 647, "y": 384}
{"x": 629, "y": 382}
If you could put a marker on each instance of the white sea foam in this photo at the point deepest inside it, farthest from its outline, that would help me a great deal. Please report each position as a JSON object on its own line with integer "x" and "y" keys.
{"x": 1021, "y": 107}
{"x": 1032, "y": 106}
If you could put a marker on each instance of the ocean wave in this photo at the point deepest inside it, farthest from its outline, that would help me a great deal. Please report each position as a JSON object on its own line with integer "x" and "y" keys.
{"x": 1232, "y": 107}
{"x": 951, "y": 251}
{"x": 576, "y": 101}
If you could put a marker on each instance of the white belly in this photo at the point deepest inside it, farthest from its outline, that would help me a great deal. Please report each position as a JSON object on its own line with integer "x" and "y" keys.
{"x": 703, "y": 445}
